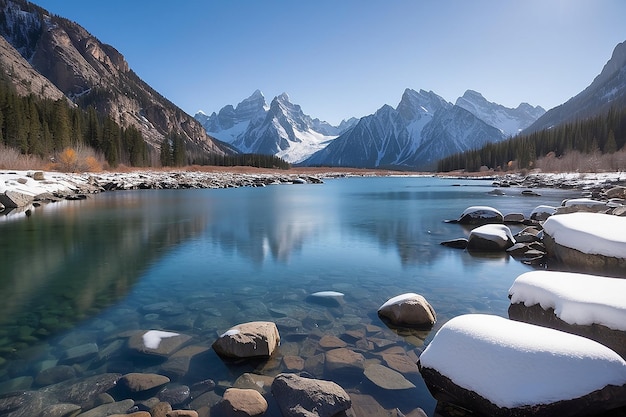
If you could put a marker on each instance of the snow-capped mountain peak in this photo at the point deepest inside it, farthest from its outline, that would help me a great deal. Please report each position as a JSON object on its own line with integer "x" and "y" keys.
{"x": 509, "y": 121}
{"x": 280, "y": 128}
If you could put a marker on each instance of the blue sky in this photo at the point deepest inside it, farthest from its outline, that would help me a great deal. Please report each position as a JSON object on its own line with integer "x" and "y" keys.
{"x": 344, "y": 58}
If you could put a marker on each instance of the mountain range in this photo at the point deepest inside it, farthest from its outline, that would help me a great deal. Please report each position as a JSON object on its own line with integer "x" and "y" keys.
{"x": 52, "y": 57}
{"x": 55, "y": 58}
{"x": 423, "y": 128}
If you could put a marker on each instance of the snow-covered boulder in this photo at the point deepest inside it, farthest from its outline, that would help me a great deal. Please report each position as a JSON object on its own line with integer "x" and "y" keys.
{"x": 541, "y": 213}
{"x": 490, "y": 237}
{"x": 582, "y": 204}
{"x": 257, "y": 338}
{"x": 587, "y": 240}
{"x": 409, "y": 309}
{"x": 500, "y": 367}
{"x": 587, "y": 305}
{"x": 480, "y": 215}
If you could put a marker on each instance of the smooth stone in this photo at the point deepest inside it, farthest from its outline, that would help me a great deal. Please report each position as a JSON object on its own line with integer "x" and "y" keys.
{"x": 79, "y": 353}
{"x": 260, "y": 383}
{"x": 168, "y": 342}
{"x": 60, "y": 410}
{"x": 306, "y": 397}
{"x": 83, "y": 392}
{"x": 247, "y": 402}
{"x": 182, "y": 413}
{"x": 252, "y": 339}
{"x": 331, "y": 342}
{"x": 105, "y": 410}
{"x": 178, "y": 364}
{"x": 408, "y": 309}
{"x": 344, "y": 360}
{"x": 293, "y": 363}
{"x": 387, "y": 378}
{"x": 54, "y": 375}
{"x": 401, "y": 363}
{"x": 137, "y": 382}
{"x": 460, "y": 243}
{"x": 160, "y": 409}
{"x": 174, "y": 395}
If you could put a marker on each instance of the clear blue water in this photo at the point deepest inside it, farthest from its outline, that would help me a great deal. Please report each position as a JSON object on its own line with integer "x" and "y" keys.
{"x": 86, "y": 271}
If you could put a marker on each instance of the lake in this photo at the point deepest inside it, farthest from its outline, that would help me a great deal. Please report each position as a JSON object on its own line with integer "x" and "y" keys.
{"x": 197, "y": 262}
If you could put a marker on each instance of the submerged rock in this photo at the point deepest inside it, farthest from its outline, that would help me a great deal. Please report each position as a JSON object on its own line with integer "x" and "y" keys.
{"x": 387, "y": 378}
{"x": 304, "y": 397}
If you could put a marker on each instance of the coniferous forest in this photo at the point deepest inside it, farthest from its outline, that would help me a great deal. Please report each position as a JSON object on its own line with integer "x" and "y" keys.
{"x": 604, "y": 134}
{"x": 45, "y": 128}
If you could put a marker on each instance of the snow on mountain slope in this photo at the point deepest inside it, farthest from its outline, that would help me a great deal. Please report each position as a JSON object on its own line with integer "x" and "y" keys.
{"x": 280, "y": 129}
{"x": 509, "y": 121}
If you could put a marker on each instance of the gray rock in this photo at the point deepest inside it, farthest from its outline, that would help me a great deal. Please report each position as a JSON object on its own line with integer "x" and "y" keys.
{"x": 253, "y": 339}
{"x": 80, "y": 353}
{"x": 479, "y": 215}
{"x": 460, "y": 243}
{"x": 14, "y": 199}
{"x": 157, "y": 342}
{"x": 514, "y": 218}
{"x": 174, "y": 394}
{"x": 60, "y": 410}
{"x": 178, "y": 364}
{"x": 54, "y": 375}
{"x": 105, "y": 410}
{"x": 83, "y": 392}
{"x": 303, "y": 397}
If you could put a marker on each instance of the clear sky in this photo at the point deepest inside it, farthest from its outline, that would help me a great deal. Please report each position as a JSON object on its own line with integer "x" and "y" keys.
{"x": 344, "y": 58}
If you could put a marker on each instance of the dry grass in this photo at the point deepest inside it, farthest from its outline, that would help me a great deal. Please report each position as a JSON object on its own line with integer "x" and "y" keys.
{"x": 13, "y": 159}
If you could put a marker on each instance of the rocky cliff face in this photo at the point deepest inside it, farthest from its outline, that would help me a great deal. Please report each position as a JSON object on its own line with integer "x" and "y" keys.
{"x": 607, "y": 90}
{"x": 89, "y": 72}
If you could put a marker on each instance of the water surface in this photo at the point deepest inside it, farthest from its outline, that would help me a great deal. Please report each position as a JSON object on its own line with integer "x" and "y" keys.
{"x": 201, "y": 261}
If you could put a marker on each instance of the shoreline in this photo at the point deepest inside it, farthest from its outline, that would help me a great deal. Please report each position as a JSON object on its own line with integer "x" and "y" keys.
{"x": 20, "y": 190}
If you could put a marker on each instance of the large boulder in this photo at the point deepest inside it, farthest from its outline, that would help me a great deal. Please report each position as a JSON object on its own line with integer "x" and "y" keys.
{"x": 408, "y": 310}
{"x": 306, "y": 397}
{"x": 499, "y": 367}
{"x": 253, "y": 339}
{"x": 15, "y": 199}
{"x": 587, "y": 305}
{"x": 478, "y": 215}
{"x": 587, "y": 241}
{"x": 490, "y": 238}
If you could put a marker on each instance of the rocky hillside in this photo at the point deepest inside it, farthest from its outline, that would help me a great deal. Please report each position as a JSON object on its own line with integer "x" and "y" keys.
{"x": 89, "y": 72}
{"x": 607, "y": 90}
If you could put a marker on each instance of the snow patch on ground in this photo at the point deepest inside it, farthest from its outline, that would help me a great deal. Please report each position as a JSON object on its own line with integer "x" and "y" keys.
{"x": 514, "y": 364}
{"x": 576, "y": 298}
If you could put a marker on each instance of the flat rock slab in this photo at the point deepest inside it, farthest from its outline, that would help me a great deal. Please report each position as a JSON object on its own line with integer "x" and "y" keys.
{"x": 387, "y": 378}
{"x": 157, "y": 342}
{"x": 137, "y": 382}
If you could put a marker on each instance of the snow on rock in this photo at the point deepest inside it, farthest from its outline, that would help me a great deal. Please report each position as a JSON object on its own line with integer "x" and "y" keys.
{"x": 589, "y": 233}
{"x": 152, "y": 338}
{"x": 542, "y": 212}
{"x": 480, "y": 215}
{"x": 490, "y": 237}
{"x": 408, "y": 309}
{"x": 327, "y": 298}
{"x": 576, "y": 298}
{"x": 588, "y": 202}
{"x": 513, "y": 364}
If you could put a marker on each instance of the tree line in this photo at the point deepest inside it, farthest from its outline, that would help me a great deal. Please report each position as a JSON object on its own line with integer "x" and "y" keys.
{"x": 603, "y": 134}
{"x": 45, "y": 128}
